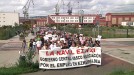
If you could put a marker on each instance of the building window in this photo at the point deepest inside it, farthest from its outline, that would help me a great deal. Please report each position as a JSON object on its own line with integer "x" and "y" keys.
{"x": 89, "y": 21}
{"x": 126, "y": 18}
{"x": 58, "y": 17}
{"x": 58, "y": 21}
{"x": 85, "y": 20}
{"x": 53, "y": 17}
{"x": 3, "y": 17}
{"x": 3, "y": 14}
{"x": 76, "y": 20}
{"x": 72, "y": 17}
{"x": 72, "y": 20}
{"x": 63, "y": 17}
{"x": 3, "y": 21}
{"x": 85, "y": 17}
{"x": 63, "y": 20}
{"x": 89, "y": 17}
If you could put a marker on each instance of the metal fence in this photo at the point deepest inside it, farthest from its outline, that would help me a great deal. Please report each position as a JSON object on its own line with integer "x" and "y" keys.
{"x": 105, "y": 32}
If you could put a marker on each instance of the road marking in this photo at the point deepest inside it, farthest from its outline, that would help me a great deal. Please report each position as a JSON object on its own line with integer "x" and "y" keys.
{"x": 120, "y": 58}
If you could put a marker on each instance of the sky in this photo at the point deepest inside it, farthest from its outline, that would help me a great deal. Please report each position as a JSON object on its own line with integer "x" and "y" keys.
{"x": 47, "y": 7}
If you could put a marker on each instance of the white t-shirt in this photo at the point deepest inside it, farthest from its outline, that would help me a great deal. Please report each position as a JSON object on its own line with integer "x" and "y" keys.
{"x": 63, "y": 39}
{"x": 52, "y": 46}
{"x": 45, "y": 37}
{"x": 56, "y": 48}
{"x": 38, "y": 43}
{"x": 72, "y": 48}
{"x": 34, "y": 43}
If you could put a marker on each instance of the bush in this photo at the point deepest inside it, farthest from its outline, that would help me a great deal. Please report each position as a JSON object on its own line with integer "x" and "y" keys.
{"x": 7, "y": 32}
{"x": 26, "y": 61}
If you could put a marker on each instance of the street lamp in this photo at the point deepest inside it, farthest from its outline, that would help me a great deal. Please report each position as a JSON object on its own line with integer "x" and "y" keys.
{"x": 81, "y": 19}
{"x": 129, "y": 24}
{"x": 79, "y": 28}
{"x": 98, "y": 27}
{"x": 64, "y": 25}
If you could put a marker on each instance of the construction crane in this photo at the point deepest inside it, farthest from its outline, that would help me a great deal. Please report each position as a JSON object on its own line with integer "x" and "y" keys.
{"x": 60, "y": 5}
{"x": 69, "y": 8}
{"x": 26, "y": 8}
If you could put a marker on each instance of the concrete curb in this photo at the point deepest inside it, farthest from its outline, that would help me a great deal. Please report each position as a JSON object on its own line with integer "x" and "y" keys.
{"x": 118, "y": 39}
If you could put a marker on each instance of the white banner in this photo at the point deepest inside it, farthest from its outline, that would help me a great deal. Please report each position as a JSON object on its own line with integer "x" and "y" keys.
{"x": 66, "y": 58}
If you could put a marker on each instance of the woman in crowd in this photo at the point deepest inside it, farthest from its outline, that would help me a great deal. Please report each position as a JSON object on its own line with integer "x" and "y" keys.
{"x": 31, "y": 44}
{"x": 73, "y": 46}
{"x": 23, "y": 47}
{"x": 86, "y": 45}
{"x": 46, "y": 46}
{"x": 38, "y": 45}
{"x": 34, "y": 45}
{"x": 52, "y": 46}
{"x": 67, "y": 42}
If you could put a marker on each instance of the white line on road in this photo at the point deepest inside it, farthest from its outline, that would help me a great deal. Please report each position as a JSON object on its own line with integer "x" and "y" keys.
{"x": 120, "y": 58}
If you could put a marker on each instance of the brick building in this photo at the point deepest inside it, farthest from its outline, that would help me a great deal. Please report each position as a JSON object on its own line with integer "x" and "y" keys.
{"x": 41, "y": 22}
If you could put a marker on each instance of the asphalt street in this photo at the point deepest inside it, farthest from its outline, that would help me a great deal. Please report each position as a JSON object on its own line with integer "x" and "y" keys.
{"x": 113, "y": 53}
{"x": 109, "y": 64}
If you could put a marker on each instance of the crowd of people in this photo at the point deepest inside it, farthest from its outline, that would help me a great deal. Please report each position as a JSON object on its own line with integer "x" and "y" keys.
{"x": 50, "y": 39}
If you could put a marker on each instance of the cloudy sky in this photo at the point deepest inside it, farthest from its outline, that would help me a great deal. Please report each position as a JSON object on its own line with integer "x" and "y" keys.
{"x": 46, "y": 7}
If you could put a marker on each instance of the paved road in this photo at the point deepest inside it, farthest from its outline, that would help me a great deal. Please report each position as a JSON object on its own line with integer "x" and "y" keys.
{"x": 9, "y": 50}
{"x": 121, "y": 50}
{"x": 109, "y": 64}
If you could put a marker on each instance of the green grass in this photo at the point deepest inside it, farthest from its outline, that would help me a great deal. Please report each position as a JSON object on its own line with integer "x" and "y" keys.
{"x": 16, "y": 70}
{"x": 122, "y": 72}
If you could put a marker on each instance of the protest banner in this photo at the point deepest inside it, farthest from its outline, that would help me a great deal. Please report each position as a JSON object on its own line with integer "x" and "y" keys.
{"x": 66, "y": 58}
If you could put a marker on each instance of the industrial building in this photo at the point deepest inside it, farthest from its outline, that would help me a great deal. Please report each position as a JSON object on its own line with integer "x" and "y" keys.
{"x": 72, "y": 19}
{"x": 118, "y": 19}
{"x": 9, "y": 19}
